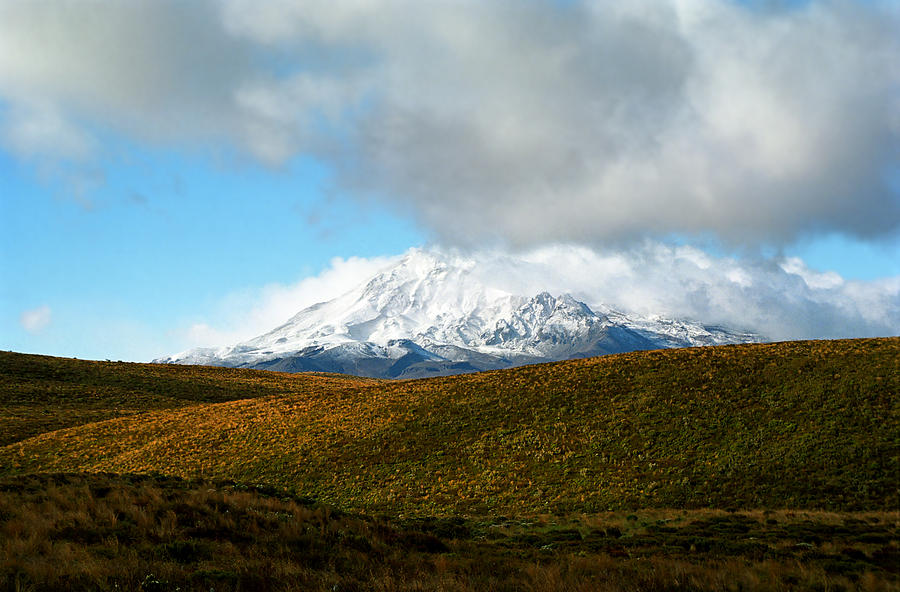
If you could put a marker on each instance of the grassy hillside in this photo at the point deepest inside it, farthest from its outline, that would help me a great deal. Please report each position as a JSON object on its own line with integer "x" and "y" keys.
{"x": 40, "y": 394}
{"x": 153, "y": 534}
{"x": 789, "y": 425}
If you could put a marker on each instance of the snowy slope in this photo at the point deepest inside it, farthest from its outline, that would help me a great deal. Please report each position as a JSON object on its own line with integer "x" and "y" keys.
{"x": 430, "y": 314}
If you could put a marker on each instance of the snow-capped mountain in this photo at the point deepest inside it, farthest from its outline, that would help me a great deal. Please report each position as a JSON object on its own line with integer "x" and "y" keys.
{"x": 431, "y": 314}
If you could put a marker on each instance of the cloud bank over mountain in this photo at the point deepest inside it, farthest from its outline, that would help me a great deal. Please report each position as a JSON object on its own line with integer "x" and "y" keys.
{"x": 780, "y": 300}
{"x": 525, "y": 123}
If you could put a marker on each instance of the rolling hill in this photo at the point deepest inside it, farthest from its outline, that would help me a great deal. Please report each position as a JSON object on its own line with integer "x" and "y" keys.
{"x": 809, "y": 425}
{"x": 40, "y": 394}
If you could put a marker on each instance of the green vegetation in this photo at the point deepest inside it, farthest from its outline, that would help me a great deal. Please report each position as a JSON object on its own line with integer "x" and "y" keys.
{"x": 154, "y": 534}
{"x": 809, "y": 425}
{"x": 758, "y": 467}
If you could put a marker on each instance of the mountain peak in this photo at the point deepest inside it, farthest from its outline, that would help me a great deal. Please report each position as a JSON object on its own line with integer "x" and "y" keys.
{"x": 431, "y": 313}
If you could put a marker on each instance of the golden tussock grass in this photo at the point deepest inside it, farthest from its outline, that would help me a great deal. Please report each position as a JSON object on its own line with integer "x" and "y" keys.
{"x": 801, "y": 425}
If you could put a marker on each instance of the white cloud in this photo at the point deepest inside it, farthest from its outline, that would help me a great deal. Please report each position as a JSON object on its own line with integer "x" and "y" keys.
{"x": 606, "y": 120}
{"x": 780, "y": 299}
{"x": 36, "y": 320}
{"x": 160, "y": 70}
{"x": 40, "y": 131}
{"x": 813, "y": 279}
{"x": 249, "y": 313}
{"x": 594, "y": 121}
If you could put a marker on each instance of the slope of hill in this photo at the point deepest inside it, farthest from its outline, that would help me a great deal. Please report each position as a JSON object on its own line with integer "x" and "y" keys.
{"x": 798, "y": 425}
{"x": 434, "y": 313}
{"x": 41, "y": 393}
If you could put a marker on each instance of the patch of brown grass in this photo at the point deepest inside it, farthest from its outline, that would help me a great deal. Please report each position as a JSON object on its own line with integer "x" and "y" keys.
{"x": 809, "y": 425}
{"x": 145, "y": 533}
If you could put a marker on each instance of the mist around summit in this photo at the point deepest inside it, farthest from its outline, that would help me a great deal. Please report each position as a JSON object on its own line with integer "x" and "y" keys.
{"x": 438, "y": 311}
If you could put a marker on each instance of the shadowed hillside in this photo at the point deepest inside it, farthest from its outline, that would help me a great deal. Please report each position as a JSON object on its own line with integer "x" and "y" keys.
{"x": 788, "y": 425}
{"x": 41, "y": 393}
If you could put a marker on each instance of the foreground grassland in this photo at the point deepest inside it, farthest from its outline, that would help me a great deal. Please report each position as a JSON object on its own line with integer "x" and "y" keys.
{"x": 799, "y": 425}
{"x": 153, "y": 534}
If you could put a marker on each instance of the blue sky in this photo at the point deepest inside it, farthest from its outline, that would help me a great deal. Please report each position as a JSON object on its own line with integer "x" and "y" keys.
{"x": 234, "y": 147}
{"x": 164, "y": 238}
